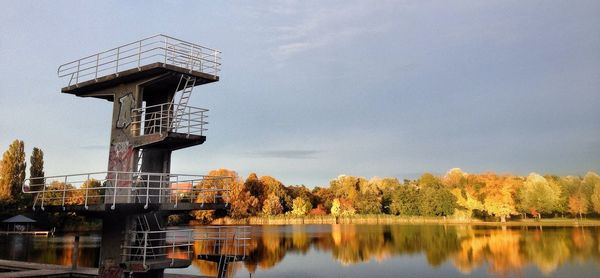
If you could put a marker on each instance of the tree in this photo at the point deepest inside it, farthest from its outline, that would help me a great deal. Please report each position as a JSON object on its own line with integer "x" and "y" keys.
{"x": 253, "y": 185}
{"x": 323, "y": 196}
{"x": 273, "y": 186}
{"x": 405, "y": 201}
{"x": 368, "y": 203}
{"x": 589, "y": 183}
{"x": 301, "y": 206}
{"x": 538, "y": 196}
{"x": 243, "y": 204}
{"x": 36, "y": 169}
{"x": 12, "y": 173}
{"x": 272, "y": 205}
{"x": 436, "y": 202}
{"x": 499, "y": 201}
{"x": 336, "y": 207}
{"x": 596, "y": 198}
{"x": 578, "y": 204}
{"x": 435, "y": 199}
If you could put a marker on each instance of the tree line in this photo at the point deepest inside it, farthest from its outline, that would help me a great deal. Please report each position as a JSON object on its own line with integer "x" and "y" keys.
{"x": 456, "y": 193}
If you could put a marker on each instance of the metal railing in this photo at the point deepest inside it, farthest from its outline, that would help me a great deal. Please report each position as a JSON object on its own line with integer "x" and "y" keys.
{"x": 169, "y": 117}
{"x": 226, "y": 241}
{"x": 157, "y": 48}
{"x": 127, "y": 187}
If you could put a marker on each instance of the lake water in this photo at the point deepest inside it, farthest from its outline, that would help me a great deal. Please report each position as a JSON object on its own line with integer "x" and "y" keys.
{"x": 373, "y": 251}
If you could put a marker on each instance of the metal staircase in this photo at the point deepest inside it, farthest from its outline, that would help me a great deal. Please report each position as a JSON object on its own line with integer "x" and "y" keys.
{"x": 185, "y": 87}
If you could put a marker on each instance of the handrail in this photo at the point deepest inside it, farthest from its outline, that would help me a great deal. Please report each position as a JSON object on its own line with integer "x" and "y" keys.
{"x": 157, "y": 48}
{"x": 231, "y": 241}
{"x": 169, "y": 117}
{"x": 113, "y": 187}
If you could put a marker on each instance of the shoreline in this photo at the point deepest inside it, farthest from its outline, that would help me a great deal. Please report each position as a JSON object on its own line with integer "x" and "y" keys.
{"x": 416, "y": 220}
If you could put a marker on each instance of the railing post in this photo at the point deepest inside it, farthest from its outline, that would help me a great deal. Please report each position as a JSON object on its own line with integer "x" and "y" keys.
{"x": 77, "y": 77}
{"x": 139, "y": 55}
{"x": 64, "y": 193}
{"x": 166, "y": 47}
{"x": 115, "y": 186}
{"x": 86, "y": 192}
{"x": 97, "y": 60}
{"x": 145, "y": 247}
{"x": 43, "y": 195}
{"x": 117, "y": 66}
{"x": 189, "y": 123}
{"x": 147, "y": 192}
{"x": 216, "y": 69}
{"x": 176, "y": 195}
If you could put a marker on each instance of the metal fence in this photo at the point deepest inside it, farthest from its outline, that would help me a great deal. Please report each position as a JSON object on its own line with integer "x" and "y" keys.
{"x": 157, "y": 48}
{"x": 126, "y": 187}
{"x": 169, "y": 117}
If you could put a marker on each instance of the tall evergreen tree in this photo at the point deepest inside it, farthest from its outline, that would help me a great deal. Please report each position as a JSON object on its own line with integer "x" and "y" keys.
{"x": 36, "y": 169}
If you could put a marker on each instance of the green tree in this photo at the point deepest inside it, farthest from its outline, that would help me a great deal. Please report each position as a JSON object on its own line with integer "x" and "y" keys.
{"x": 589, "y": 183}
{"x": 405, "y": 201}
{"x": 256, "y": 189}
{"x": 336, "y": 207}
{"x": 272, "y": 205}
{"x": 273, "y": 186}
{"x": 368, "y": 203}
{"x": 596, "y": 199}
{"x": 301, "y": 206}
{"x": 36, "y": 170}
{"x": 12, "y": 173}
{"x": 538, "y": 196}
{"x": 435, "y": 200}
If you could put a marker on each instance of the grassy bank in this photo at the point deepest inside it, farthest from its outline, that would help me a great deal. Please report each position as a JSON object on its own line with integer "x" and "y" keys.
{"x": 391, "y": 219}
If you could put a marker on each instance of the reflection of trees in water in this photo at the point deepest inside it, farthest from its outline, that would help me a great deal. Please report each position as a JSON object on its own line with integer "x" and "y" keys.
{"x": 502, "y": 250}
{"x": 50, "y": 250}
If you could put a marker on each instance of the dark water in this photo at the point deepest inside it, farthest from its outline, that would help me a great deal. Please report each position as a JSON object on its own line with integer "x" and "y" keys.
{"x": 374, "y": 251}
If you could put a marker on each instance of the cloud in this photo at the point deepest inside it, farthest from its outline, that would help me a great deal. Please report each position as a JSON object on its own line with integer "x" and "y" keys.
{"x": 286, "y": 154}
{"x": 317, "y": 25}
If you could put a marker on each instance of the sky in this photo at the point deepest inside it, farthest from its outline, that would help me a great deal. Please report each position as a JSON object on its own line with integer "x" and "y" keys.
{"x": 310, "y": 90}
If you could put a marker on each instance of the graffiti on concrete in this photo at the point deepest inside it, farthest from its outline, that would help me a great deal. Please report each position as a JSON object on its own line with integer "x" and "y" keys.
{"x": 126, "y": 105}
{"x": 120, "y": 160}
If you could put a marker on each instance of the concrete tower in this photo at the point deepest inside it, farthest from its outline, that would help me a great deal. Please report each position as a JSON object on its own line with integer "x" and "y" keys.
{"x": 149, "y": 83}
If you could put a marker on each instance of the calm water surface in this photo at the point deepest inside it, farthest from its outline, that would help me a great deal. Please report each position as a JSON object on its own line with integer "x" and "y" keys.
{"x": 373, "y": 251}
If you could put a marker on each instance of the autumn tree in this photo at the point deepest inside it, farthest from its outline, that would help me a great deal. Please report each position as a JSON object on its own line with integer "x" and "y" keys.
{"x": 569, "y": 186}
{"x": 36, "y": 169}
{"x": 12, "y": 173}
{"x": 336, "y": 207}
{"x": 243, "y": 204}
{"x": 578, "y": 204}
{"x": 405, "y": 201}
{"x": 368, "y": 203}
{"x": 499, "y": 199}
{"x": 301, "y": 206}
{"x": 256, "y": 189}
{"x": 596, "y": 198}
{"x": 538, "y": 196}
{"x": 435, "y": 200}
{"x": 273, "y": 186}
{"x": 215, "y": 180}
{"x": 272, "y": 205}
{"x": 589, "y": 183}
{"x": 323, "y": 196}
